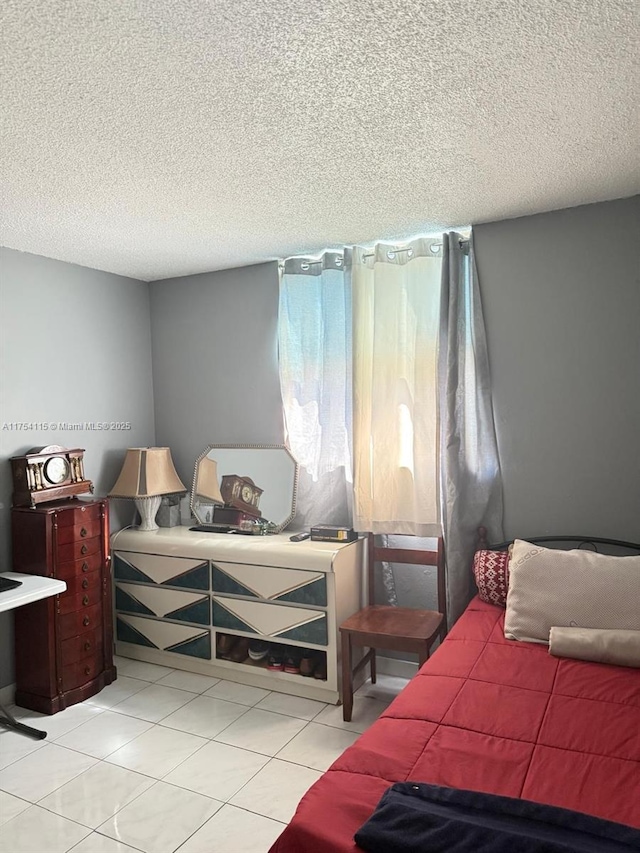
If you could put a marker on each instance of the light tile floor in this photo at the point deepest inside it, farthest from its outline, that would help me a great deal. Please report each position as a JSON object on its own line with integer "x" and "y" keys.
{"x": 163, "y": 761}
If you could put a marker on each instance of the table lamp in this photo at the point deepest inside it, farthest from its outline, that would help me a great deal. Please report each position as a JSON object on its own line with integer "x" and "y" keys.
{"x": 147, "y": 474}
{"x": 206, "y": 482}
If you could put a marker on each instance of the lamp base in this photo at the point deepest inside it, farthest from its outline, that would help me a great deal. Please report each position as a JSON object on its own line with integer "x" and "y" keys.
{"x": 148, "y": 507}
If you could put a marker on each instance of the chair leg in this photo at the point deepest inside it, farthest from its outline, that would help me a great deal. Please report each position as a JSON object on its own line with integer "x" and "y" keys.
{"x": 372, "y": 664}
{"x": 423, "y": 656}
{"x": 347, "y": 677}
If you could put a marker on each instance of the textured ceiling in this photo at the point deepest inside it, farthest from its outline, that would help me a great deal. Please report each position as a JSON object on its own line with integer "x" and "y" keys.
{"x": 156, "y": 138}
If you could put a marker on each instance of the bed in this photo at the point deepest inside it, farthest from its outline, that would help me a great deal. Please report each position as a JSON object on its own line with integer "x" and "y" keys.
{"x": 492, "y": 715}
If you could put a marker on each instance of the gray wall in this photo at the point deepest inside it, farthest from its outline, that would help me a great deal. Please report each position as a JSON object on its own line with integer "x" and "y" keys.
{"x": 215, "y": 364}
{"x": 75, "y": 346}
{"x": 561, "y": 295}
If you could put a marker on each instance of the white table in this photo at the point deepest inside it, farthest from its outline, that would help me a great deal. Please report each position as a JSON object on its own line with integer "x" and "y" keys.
{"x": 32, "y": 588}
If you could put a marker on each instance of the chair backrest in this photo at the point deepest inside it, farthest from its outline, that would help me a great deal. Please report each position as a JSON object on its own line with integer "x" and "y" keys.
{"x": 414, "y": 557}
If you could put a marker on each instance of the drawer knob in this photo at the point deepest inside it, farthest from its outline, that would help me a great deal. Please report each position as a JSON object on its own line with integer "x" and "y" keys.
{"x": 84, "y": 549}
{"x": 87, "y": 647}
{"x": 85, "y": 582}
{"x": 87, "y": 670}
{"x": 85, "y": 600}
{"x": 83, "y": 532}
{"x": 85, "y": 621}
{"x": 85, "y": 567}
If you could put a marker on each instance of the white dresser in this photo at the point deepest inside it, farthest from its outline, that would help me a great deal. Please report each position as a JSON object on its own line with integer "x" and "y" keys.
{"x": 175, "y": 589}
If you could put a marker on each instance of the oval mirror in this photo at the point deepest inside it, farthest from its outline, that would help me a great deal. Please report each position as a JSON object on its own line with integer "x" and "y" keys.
{"x": 233, "y": 483}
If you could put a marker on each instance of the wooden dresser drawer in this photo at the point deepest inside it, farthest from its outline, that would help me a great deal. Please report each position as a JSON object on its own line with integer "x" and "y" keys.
{"x": 80, "y": 621}
{"x": 78, "y": 550}
{"x": 78, "y": 673}
{"x": 84, "y": 582}
{"x": 77, "y": 532}
{"x": 82, "y": 646}
{"x": 74, "y": 568}
{"x": 78, "y": 515}
{"x": 82, "y": 600}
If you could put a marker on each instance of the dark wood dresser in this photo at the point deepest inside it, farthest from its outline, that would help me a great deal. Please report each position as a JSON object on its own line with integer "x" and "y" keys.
{"x": 64, "y": 644}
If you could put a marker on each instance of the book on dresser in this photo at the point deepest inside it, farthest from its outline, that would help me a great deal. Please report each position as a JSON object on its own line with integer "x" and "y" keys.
{"x": 64, "y": 644}
{"x": 180, "y": 592}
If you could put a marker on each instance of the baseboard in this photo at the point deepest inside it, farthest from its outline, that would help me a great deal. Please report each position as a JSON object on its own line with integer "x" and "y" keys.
{"x": 399, "y": 668}
{"x": 6, "y": 694}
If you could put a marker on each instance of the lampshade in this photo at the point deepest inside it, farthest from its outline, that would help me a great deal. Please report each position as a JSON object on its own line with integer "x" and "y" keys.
{"x": 147, "y": 474}
{"x": 147, "y": 471}
{"x": 207, "y": 481}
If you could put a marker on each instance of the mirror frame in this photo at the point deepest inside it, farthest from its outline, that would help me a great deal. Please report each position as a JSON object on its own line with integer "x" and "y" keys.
{"x": 210, "y": 447}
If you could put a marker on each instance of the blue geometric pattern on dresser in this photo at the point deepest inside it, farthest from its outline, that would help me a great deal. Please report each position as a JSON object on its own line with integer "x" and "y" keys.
{"x": 124, "y": 571}
{"x": 200, "y": 647}
{"x": 128, "y": 604}
{"x": 127, "y": 634}
{"x": 312, "y": 632}
{"x": 198, "y": 612}
{"x": 195, "y": 578}
{"x": 313, "y": 593}
{"x": 222, "y": 618}
{"x": 222, "y": 582}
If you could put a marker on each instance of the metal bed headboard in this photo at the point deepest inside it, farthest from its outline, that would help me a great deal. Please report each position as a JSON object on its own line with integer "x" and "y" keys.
{"x": 579, "y": 542}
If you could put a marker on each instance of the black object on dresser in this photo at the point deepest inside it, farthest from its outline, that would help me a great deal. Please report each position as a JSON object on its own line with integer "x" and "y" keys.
{"x": 64, "y": 644}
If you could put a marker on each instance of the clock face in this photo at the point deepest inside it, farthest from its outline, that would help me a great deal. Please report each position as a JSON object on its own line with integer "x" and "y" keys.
{"x": 56, "y": 470}
{"x": 246, "y": 494}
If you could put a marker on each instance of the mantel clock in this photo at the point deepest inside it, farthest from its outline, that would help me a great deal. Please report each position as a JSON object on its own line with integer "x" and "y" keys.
{"x": 241, "y": 493}
{"x": 48, "y": 473}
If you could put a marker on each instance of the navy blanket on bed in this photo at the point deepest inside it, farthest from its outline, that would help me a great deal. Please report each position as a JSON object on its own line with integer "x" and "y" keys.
{"x": 414, "y": 817}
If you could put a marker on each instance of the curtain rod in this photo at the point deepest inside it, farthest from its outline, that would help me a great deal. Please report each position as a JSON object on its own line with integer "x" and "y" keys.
{"x": 463, "y": 242}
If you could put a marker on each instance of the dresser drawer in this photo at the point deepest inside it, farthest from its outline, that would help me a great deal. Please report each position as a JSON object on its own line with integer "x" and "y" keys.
{"x": 82, "y": 646}
{"x": 86, "y": 530}
{"x": 271, "y": 620}
{"x": 148, "y": 600}
{"x": 78, "y": 515}
{"x": 78, "y": 673}
{"x": 161, "y": 570}
{"x": 81, "y": 601}
{"x": 78, "y": 550}
{"x": 80, "y": 621}
{"x": 81, "y": 583}
{"x": 270, "y": 584}
{"x": 74, "y": 568}
{"x": 167, "y": 636}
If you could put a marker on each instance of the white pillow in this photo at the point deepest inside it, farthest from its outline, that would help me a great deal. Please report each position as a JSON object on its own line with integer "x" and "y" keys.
{"x": 573, "y": 589}
{"x": 621, "y": 648}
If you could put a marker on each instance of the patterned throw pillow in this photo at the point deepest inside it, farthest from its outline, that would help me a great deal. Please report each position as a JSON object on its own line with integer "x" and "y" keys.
{"x": 491, "y": 573}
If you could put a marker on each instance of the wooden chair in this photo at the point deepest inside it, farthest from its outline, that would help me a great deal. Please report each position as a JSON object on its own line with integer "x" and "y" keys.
{"x": 400, "y": 629}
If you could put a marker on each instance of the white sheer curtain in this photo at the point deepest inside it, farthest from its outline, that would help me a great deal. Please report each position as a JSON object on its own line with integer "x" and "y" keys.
{"x": 314, "y": 340}
{"x": 396, "y": 298}
{"x": 471, "y": 482}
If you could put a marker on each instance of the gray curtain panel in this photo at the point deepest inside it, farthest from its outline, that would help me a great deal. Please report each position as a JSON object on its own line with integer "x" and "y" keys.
{"x": 471, "y": 483}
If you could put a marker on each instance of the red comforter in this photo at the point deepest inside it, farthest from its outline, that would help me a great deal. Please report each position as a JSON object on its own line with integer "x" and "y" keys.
{"x": 494, "y": 715}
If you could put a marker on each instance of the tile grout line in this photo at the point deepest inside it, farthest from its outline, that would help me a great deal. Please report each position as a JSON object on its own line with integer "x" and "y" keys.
{"x": 98, "y": 710}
